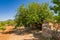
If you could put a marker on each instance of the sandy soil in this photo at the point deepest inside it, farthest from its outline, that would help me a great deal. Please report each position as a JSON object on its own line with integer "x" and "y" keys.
{"x": 16, "y": 37}
{"x": 19, "y": 36}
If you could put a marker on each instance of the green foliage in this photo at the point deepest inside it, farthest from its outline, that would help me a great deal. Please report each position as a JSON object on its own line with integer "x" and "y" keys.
{"x": 9, "y": 22}
{"x": 2, "y": 23}
{"x": 57, "y": 18}
{"x": 33, "y": 13}
{"x": 2, "y": 28}
{"x": 56, "y": 9}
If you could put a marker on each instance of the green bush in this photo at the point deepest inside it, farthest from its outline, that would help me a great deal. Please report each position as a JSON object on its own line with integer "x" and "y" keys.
{"x": 2, "y": 28}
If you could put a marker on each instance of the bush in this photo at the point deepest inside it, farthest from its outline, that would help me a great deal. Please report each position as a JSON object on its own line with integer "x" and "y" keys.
{"x": 2, "y": 28}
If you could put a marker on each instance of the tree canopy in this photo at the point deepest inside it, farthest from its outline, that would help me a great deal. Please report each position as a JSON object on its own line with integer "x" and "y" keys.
{"x": 56, "y": 9}
{"x": 33, "y": 13}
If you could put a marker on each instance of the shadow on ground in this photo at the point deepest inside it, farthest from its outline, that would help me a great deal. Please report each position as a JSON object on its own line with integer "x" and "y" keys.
{"x": 36, "y": 33}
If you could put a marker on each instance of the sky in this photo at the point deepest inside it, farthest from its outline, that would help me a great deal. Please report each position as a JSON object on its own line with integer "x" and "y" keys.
{"x": 8, "y": 8}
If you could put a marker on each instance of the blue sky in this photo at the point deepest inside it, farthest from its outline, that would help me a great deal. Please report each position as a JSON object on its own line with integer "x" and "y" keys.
{"x": 8, "y": 8}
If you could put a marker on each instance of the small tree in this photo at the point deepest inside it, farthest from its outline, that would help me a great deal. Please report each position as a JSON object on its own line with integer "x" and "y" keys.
{"x": 33, "y": 13}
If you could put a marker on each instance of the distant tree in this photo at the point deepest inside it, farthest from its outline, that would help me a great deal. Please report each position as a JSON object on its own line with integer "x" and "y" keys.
{"x": 2, "y": 25}
{"x": 10, "y": 22}
{"x": 33, "y": 13}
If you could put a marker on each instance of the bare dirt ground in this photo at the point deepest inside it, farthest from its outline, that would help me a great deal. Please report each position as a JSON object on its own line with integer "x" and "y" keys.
{"x": 20, "y": 35}
{"x": 17, "y": 37}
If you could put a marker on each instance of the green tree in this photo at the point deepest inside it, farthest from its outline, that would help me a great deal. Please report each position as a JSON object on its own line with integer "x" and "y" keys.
{"x": 56, "y": 9}
{"x": 33, "y": 13}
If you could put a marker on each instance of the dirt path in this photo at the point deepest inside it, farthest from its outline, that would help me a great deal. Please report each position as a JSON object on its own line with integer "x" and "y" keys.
{"x": 20, "y": 37}
{"x": 4, "y": 36}
{"x": 26, "y": 35}
{"x": 16, "y": 37}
